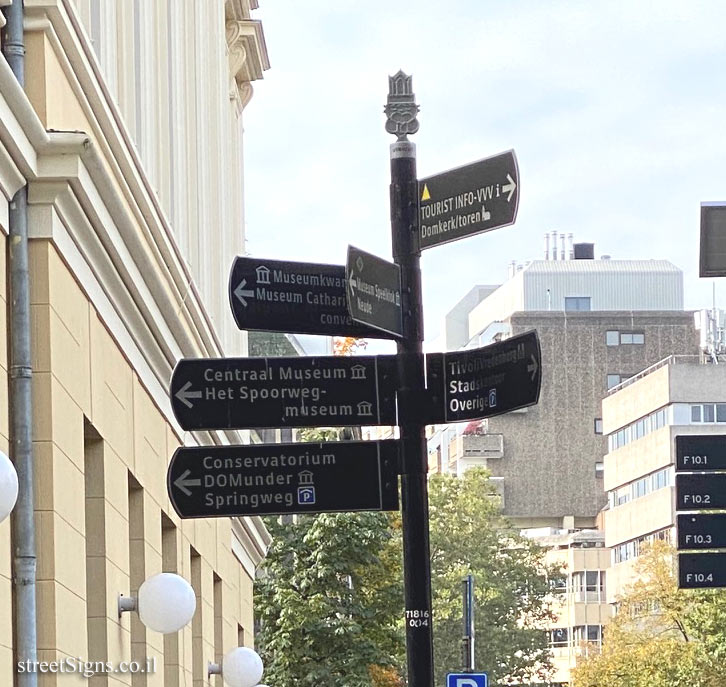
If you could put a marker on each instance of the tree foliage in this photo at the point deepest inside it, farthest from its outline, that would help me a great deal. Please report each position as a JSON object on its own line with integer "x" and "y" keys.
{"x": 329, "y": 598}
{"x": 469, "y": 535}
{"x": 662, "y": 636}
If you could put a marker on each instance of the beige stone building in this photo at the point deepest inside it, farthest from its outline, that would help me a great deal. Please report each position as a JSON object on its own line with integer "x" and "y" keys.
{"x": 129, "y": 136}
{"x": 641, "y": 418}
{"x": 579, "y": 600}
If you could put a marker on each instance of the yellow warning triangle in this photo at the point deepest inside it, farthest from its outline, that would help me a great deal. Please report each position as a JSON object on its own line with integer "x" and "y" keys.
{"x": 425, "y": 195}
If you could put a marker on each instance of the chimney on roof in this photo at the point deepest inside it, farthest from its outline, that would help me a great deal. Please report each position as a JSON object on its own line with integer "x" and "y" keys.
{"x": 547, "y": 246}
{"x": 554, "y": 245}
{"x": 570, "y": 251}
{"x": 562, "y": 246}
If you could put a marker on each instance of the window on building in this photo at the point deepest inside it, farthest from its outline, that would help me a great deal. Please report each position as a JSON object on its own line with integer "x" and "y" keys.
{"x": 559, "y": 636}
{"x": 558, "y": 584}
{"x": 598, "y": 425}
{"x": 708, "y": 412}
{"x": 640, "y": 428}
{"x": 589, "y": 586}
{"x": 631, "y": 549}
{"x": 599, "y": 470}
{"x": 640, "y": 487}
{"x": 594, "y": 633}
{"x": 617, "y": 338}
{"x": 615, "y": 379}
{"x": 577, "y": 303}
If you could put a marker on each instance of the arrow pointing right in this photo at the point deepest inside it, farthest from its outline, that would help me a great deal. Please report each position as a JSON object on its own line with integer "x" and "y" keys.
{"x": 532, "y": 367}
{"x": 184, "y": 395}
{"x": 182, "y": 482}
{"x": 509, "y": 187}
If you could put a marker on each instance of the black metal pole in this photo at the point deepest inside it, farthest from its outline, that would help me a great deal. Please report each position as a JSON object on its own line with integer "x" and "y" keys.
{"x": 468, "y": 584}
{"x": 401, "y": 111}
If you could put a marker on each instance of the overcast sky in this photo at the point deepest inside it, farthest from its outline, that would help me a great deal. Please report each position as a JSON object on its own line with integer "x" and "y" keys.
{"x": 616, "y": 112}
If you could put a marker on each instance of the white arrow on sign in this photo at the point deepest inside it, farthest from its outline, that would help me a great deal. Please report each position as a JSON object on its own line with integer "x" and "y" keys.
{"x": 243, "y": 293}
{"x": 532, "y": 367}
{"x": 182, "y": 482}
{"x": 509, "y": 187}
{"x": 352, "y": 283}
{"x": 184, "y": 395}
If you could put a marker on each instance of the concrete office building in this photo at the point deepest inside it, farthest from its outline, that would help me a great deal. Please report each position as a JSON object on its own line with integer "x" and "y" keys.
{"x": 599, "y": 322}
{"x": 579, "y": 596}
{"x": 128, "y": 134}
{"x": 641, "y": 418}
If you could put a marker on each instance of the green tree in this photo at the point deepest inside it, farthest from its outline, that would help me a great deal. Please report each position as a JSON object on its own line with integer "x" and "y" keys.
{"x": 470, "y": 535}
{"x": 329, "y": 598}
{"x": 662, "y": 636}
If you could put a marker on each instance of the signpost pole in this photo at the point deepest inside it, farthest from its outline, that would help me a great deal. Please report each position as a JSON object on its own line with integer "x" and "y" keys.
{"x": 468, "y": 584}
{"x": 401, "y": 111}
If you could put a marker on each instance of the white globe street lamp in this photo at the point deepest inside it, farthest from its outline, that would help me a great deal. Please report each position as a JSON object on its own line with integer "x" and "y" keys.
{"x": 8, "y": 486}
{"x": 241, "y": 667}
{"x": 166, "y": 603}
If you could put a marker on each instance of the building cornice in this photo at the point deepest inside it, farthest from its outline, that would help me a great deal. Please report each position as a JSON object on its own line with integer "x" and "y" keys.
{"x": 247, "y": 54}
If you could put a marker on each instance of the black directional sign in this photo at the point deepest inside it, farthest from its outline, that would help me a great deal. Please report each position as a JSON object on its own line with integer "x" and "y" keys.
{"x": 700, "y": 491}
{"x": 700, "y": 452}
{"x": 701, "y": 530}
{"x": 374, "y": 291}
{"x": 239, "y": 393}
{"x": 218, "y": 481}
{"x": 292, "y": 297}
{"x": 468, "y": 200}
{"x": 482, "y": 382}
{"x": 701, "y": 570}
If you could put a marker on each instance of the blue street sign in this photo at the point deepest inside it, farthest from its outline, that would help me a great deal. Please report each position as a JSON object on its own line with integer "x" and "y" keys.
{"x": 466, "y": 680}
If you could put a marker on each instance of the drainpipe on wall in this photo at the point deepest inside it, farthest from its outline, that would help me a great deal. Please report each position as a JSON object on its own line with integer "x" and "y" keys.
{"x": 22, "y": 520}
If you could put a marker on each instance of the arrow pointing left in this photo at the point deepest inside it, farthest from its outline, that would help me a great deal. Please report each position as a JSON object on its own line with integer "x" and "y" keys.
{"x": 243, "y": 293}
{"x": 352, "y": 284}
{"x": 184, "y": 395}
{"x": 182, "y": 482}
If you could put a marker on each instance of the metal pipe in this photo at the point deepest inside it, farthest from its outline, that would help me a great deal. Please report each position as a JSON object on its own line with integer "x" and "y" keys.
{"x": 22, "y": 520}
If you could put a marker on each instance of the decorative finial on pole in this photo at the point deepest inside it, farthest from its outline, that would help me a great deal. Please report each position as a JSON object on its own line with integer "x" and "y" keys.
{"x": 401, "y": 108}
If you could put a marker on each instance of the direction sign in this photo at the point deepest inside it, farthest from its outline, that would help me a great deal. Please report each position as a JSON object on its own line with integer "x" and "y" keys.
{"x": 293, "y": 297}
{"x": 701, "y": 490}
{"x": 374, "y": 291}
{"x": 239, "y": 393}
{"x": 701, "y": 570}
{"x": 468, "y": 200}
{"x": 701, "y": 530}
{"x": 696, "y": 452}
{"x": 482, "y": 382}
{"x": 266, "y": 479}
{"x": 466, "y": 680}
